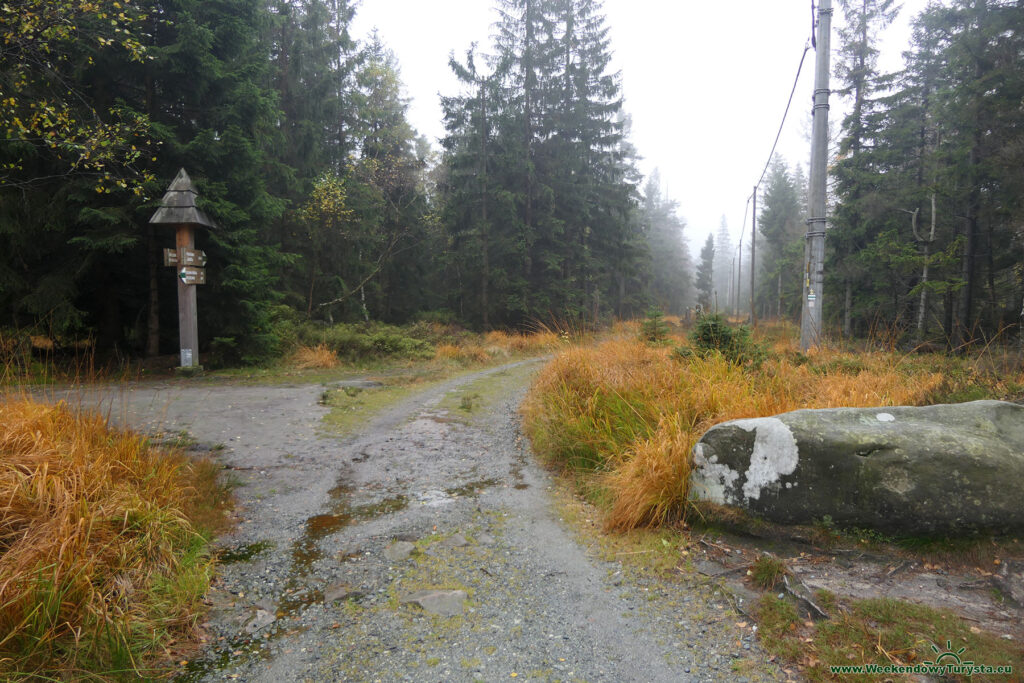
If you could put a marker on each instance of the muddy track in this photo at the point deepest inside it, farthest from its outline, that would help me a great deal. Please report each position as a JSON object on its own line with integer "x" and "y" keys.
{"x": 424, "y": 547}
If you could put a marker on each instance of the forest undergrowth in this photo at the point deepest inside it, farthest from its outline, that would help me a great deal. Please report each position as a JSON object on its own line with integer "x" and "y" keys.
{"x": 306, "y": 350}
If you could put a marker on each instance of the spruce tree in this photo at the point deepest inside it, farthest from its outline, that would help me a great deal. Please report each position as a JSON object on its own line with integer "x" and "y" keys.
{"x": 705, "y": 275}
{"x": 781, "y": 224}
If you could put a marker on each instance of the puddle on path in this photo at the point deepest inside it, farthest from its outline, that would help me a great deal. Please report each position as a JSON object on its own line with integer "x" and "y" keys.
{"x": 221, "y": 659}
{"x": 306, "y": 550}
{"x": 473, "y": 488}
{"x": 296, "y": 596}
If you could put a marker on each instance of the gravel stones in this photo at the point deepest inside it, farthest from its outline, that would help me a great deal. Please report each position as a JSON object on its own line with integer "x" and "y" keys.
{"x": 501, "y": 588}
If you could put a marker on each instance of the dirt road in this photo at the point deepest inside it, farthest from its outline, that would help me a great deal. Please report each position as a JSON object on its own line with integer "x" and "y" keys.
{"x": 424, "y": 547}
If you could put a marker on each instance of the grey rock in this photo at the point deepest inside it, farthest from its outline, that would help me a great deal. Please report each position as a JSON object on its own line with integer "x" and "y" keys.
{"x": 446, "y": 603}
{"x": 919, "y": 470}
{"x": 485, "y": 539}
{"x": 1010, "y": 581}
{"x": 341, "y": 591}
{"x": 259, "y": 620}
{"x": 456, "y": 541}
{"x": 399, "y": 551}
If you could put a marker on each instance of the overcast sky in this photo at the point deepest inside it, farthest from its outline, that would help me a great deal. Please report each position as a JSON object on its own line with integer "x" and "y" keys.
{"x": 705, "y": 81}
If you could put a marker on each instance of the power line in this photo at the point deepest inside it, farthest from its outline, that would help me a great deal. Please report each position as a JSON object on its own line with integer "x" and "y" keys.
{"x": 753, "y": 194}
{"x": 785, "y": 114}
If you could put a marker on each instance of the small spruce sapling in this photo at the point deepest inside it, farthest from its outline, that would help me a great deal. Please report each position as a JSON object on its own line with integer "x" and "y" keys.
{"x": 654, "y": 329}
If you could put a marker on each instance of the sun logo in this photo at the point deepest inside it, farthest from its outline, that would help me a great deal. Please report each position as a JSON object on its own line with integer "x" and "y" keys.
{"x": 945, "y": 657}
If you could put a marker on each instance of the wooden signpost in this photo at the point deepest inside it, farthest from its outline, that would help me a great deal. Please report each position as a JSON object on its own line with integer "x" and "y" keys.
{"x": 189, "y": 257}
{"x": 178, "y": 208}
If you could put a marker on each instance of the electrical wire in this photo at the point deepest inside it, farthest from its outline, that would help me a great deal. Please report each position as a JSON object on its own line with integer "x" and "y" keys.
{"x": 743, "y": 225}
{"x": 814, "y": 25}
{"x": 785, "y": 114}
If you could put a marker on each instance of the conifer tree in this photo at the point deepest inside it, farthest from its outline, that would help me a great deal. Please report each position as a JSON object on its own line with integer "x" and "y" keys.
{"x": 781, "y": 224}
{"x": 668, "y": 277}
{"x": 705, "y": 275}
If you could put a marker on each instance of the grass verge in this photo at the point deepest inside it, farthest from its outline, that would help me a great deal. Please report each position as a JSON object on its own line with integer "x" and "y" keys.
{"x": 881, "y": 632}
{"x": 103, "y": 546}
{"x": 624, "y": 415}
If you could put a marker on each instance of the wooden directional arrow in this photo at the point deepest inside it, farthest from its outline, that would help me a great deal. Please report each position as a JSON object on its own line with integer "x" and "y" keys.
{"x": 193, "y": 257}
{"x": 184, "y": 257}
{"x": 190, "y": 275}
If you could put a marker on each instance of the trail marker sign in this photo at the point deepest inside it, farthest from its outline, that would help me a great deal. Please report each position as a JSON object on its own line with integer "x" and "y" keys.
{"x": 192, "y": 276}
{"x": 178, "y": 208}
{"x": 184, "y": 257}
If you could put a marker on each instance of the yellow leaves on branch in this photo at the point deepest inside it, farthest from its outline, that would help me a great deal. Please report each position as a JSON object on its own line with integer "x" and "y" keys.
{"x": 39, "y": 38}
{"x": 325, "y": 209}
{"x": 44, "y": 25}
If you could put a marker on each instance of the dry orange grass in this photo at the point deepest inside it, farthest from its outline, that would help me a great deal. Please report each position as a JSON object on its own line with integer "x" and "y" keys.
{"x": 462, "y": 353}
{"x": 633, "y": 412}
{"x": 99, "y": 562}
{"x": 498, "y": 343}
{"x": 320, "y": 356}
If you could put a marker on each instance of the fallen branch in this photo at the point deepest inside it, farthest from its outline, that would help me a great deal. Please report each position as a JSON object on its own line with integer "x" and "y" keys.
{"x": 803, "y": 598}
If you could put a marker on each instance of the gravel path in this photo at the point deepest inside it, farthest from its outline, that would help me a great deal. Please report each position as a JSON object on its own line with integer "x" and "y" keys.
{"x": 424, "y": 548}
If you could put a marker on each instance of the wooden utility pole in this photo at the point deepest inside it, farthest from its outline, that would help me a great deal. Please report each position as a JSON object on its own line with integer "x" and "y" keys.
{"x": 814, "y": 251}
{"x": 739, "y": 272}
{"x": 753, "y": 244}
{"x": 178, "y": 208}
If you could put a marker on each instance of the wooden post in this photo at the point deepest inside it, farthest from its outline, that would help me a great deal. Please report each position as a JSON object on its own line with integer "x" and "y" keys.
{"x": 188, "y": 323}
{"x": 178, "y": 208}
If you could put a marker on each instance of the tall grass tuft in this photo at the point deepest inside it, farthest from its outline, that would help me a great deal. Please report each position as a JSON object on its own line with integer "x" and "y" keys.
{"x": 100, "y": 564}
{"x": 320, "y": 356}
{"x": 629, "y": 413}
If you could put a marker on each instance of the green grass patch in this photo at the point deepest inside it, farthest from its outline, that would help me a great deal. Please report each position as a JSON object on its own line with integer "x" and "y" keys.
{"x": 350, "y": 407}
{"x": 879, "y": 631}
{"x": 476, "y": 396}
{"x": 768, "y": 571}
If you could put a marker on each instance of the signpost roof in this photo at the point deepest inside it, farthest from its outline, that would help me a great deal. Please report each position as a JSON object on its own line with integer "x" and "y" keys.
{"x": 179, "y": 205}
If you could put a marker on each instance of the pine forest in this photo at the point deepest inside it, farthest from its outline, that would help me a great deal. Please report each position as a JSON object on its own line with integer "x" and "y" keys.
{"x": 330, "y": 207}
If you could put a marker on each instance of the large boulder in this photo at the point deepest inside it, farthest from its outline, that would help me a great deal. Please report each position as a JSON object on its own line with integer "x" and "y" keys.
{"x": 929, "y": 470}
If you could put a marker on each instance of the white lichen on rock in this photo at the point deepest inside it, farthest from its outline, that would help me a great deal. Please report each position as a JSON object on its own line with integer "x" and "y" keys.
{"x": 775, "y": 454}
{"x": 885, "y": 417}
{"x": 711, "y": 478}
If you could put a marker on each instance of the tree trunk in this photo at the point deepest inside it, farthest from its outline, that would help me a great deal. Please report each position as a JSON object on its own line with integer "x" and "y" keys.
{"x": 484, "y": 227}
{"x": 153, "y": 317}
{"x": 621, "y": 278}
{"x": 528, "y": 86}
{"x": 848, "y": 310}
{"x": 778, "y": 304}
{"x": 964, "y": 323}
{"x": 994, "y": 307}
{"x": 923, "y": 304}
